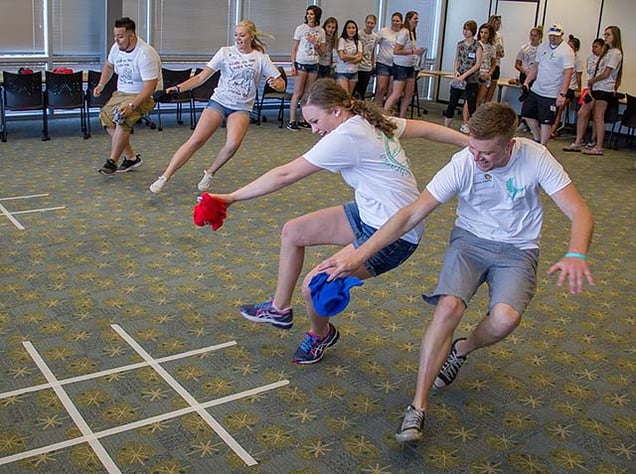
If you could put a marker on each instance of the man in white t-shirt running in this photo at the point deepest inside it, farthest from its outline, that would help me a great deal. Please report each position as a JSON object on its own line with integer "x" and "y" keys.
{"x": 497, "y": 180}
{"x": 138, "y": 69}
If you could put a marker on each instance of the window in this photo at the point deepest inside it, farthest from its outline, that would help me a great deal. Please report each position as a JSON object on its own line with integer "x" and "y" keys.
{"x": 23, "y": 32}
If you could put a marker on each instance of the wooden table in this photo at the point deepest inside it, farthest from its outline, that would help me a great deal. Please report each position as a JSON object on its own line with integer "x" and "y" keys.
{"x": 434, "y": 74}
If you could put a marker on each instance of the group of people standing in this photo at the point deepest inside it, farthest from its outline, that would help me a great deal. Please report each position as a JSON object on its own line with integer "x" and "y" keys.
{"x": 496, "y": 177}
{"x": 352, "y": 58}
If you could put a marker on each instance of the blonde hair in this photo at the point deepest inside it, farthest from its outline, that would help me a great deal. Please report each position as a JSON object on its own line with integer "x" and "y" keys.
{"x": 326, "y": 94}
{"x": 257, "y": 43}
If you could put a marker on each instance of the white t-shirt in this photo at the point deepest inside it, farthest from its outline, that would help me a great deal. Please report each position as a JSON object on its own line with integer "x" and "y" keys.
{"x": 590, "y": 65}
{"x": 499, "y": 46}
{"x": 486, "y": 57}
{"x": 375, "y": 166}
{"x": 552, "y": 64}
{"x": 132, "y": 69}
{"x": 527, "y": 55}
{"x": 368, "y": 42}
{"x": 574, "y": 83}
{"x": 386, "y": 40}
{"x": 503, "y": 204}
{"x": 240, "y": 76}
{"x": 350, "y": 48}
{"x": 307, "y": 53}
{"x": 404, "y": 38}
{"x": 613, "y": 60}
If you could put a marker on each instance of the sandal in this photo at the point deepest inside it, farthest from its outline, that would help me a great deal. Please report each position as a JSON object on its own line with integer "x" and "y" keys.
{"x": 573, "y": 147}
{"x": 593, "y": 151}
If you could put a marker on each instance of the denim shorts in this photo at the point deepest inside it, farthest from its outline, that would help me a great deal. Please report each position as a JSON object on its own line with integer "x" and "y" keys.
{"x": 383, "y": 69}
{"x": 222, "y": 109}
{"x": 351, "y": 76}
{"x": 324, "y": 71}
{"x": 511, "y": 273}
{"x": 308, "y": 68}
{"x": 386, "y": 259}
{"x": 402, "y": 73}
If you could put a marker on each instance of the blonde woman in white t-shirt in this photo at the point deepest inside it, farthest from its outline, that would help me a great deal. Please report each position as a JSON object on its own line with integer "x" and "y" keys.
{"x": 384, "y": 60}
{"x": 242, "y": 67}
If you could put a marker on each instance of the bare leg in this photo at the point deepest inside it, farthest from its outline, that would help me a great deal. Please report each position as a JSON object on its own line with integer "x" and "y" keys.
{"x": 382, "y": 85}
{"x": 582, "y": 120}
{"x": 398, "y": 88}
{"x": 533, "y": 124}
{"x": 409, "y": 89}
{"x": 209, "y": 122}
{"x": 327, "y": 226}
{"x": 120, "y": 140}
{"x": 599, "y": 122}
{"x": 299, "y": 88}
{"x": 311, "y": 78}
{"x": 546, "y": 129}
{"x": 237, "y": 125}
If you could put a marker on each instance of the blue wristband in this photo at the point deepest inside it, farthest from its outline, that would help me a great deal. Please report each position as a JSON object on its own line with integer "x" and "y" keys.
{"x": 575, "y": 255}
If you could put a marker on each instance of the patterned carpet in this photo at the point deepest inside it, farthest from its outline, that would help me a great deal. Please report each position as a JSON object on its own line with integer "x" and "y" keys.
{"x": 114, "y": 289}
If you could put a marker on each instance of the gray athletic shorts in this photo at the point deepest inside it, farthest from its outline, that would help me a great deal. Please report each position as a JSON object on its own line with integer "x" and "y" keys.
{"x": 511, "y": 273}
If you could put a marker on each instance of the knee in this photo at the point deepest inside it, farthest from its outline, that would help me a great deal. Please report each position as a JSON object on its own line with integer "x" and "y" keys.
{"x": 291, "y": 233}
{"x": 450, "y": 307}
{"x": 503, "y": 320}
{"x": 195, "y": 142}
{"x": 231, "y": 147}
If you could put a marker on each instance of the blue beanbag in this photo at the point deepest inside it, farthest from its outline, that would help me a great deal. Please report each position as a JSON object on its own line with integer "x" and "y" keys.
{"x": 330, "y": 298}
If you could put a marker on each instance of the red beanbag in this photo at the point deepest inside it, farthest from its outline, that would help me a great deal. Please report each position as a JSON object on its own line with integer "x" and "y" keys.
{"x": 209, "y": 211}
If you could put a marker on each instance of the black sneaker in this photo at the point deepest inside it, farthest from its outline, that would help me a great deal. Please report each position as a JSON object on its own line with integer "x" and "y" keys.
{"x": 128, "y": 165}
{"x": 312, "y": 348}
{"x": 109, "y": 167}
{"x": 293, "y": 126}
{"x": 451, "y": 366}
{"x": 304, "y": 124}
{"x": 412, "y": 425}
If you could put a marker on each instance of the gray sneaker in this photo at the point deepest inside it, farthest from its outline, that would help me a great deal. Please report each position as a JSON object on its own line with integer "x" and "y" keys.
{"x": 451, "y": 366}
{"x": 158, "y": 185}
{"x": 412, "y": 425}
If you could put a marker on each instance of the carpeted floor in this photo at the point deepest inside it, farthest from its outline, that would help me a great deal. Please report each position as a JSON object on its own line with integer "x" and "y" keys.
{"x": 102, "y": 299}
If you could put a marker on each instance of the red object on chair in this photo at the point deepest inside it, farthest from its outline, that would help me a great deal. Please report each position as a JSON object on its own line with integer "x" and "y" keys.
{"x": 209, "y": 211}
{"x": 62, "y": 70}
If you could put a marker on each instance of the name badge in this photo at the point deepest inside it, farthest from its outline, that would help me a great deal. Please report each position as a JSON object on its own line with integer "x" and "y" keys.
{"x": 471, "y": 55}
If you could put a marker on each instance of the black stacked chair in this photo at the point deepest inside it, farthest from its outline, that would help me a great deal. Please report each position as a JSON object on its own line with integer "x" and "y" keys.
{"x": 279, "y": 97}
{"x": 172, "y": 78}
{"x": 22, "y": 92}
{"x": 628, "y": 118}
{"x": 99, "y": 102}
{"x": 203, "y": 92}
{"x": 66, "y": 91}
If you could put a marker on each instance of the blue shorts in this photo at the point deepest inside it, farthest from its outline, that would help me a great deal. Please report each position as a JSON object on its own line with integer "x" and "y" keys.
{"x": 386, "y": 259}
{"x": 511, "y": 273}
{"x": 222, "y": 109}
{"x": 383, "y": 69}
{"x": 308, "y": 68}
{"x": 402, "y": 73}
{"x": 351, "y": 76}
{"x": 324, "y": 71}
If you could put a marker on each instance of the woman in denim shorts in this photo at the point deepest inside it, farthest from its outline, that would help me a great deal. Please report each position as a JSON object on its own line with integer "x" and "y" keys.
{"x": 384, "y": 61}
{"x": 309, "y": 42}
{"x": 405, "y": 57}
{"x": 362, "y": 144}
{"x": 349, "y": 56}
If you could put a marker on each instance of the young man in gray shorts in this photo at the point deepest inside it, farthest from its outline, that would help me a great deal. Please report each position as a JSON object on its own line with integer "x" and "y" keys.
{"x": 497, "y": 181}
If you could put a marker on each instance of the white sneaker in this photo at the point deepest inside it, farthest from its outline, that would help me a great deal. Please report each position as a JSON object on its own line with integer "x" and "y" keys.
{"x": 206, "y": 182}
{"x": 158, "y": 185}
{"x": 464, "y": 128}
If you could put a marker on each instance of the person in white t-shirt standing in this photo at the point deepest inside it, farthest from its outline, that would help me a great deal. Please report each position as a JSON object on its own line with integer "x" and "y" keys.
{"x": 497, "y": 181}
{"x": 308, "y": 44}
{"x": 406, "y": 55}
{"x": 366, "y": 68}
{"x": 363, "y": 145}
{"x": 551, "y": 74}
{"x": 384, "y": 61}
{"x": 349, "y": 56}
{"x": 138, "y": 69}
{"x": 241, "y": 67}
{"x": 602, "y": 87}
